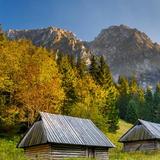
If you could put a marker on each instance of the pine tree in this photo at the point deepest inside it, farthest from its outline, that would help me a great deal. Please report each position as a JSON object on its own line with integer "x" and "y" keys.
{"x": 81, "y": 66}
{"x": 156, "y": 104}
{"x": 110, "y": 111}
{"x": 94, "y": 69}
{"x": 68, "y": 83}
{"x": 131, "y": 115}
{"x": 124, "y": 96}
{"x": 149, "y": 104}
{"x": 105, "y": 76}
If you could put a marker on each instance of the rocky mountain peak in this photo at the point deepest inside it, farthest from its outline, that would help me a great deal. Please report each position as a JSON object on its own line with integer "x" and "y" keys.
{"x": 121, "y": 34}
{"x": 53, "y": 38}
{"x": 129, "y": 52}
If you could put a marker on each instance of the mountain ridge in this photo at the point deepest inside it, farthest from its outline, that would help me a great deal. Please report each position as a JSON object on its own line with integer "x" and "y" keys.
{"x": 128, "y": 51}
{"x": 57, "y": 39}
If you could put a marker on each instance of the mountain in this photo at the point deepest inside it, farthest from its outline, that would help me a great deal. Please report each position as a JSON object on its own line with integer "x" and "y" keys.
{"x": 53, "y": 38}
{"x": 128, "y": 52}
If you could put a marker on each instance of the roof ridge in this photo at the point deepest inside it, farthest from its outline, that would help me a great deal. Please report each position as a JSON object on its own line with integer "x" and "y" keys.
{"x": 63, "y": 115}
{"x": 149, "y": 121}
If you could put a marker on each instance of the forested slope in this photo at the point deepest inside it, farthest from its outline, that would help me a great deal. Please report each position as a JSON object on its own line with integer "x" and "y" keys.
{"x": 33, "y": 79}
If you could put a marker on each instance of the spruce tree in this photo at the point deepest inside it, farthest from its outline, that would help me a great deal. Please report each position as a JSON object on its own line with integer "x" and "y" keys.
{"x": 105, "y": 76}
{"x": 94, "y": 68}
{"x": 156, "y": 104}
{"x": 124, "y": 96}
{"x": 149, "y": 104}
{"x": 131, "y": 115}
{"x": 105, "y": 79}
{"x": 68, "y": 84}
{"x": 81, "y": 66}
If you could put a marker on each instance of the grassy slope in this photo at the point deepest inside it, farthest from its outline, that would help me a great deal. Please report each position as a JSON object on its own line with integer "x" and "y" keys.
{"x": 117, "y": 154}
{"x": 8, "y": 150}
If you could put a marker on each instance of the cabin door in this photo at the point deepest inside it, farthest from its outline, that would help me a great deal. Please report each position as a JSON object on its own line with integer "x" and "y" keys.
{"x": 91, "y": 153}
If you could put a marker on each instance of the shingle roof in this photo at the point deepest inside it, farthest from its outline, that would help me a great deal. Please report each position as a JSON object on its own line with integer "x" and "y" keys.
{"x": 61, "y": 129}
{"x": 142, "y": 130}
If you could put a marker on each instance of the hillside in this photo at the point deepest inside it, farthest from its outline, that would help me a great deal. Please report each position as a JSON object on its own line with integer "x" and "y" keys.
{"x": 8, "y": 149}
{"x": 129, "y": 52}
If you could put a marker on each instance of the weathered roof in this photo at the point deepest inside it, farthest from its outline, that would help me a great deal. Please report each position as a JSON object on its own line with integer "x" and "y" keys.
{"x": 142, "y": 130}
{"x": 59, "y": 129}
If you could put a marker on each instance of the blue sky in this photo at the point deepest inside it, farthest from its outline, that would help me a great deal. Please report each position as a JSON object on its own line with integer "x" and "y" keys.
{"x": 84, "y": 17}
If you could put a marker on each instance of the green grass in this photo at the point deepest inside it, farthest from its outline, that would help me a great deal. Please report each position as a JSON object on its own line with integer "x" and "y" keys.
{"x": 8, "y": 150}
{"x": 118, "y": 154}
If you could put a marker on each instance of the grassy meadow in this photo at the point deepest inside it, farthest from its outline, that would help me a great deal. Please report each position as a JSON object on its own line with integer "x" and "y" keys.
{"x": 8, "y": 150}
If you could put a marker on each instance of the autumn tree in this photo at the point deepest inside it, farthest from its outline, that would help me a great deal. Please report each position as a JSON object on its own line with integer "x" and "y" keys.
{"x": 29, "y": 74}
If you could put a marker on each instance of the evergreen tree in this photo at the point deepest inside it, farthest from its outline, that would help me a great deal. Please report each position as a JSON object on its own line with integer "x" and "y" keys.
{"x": 110, "y": 109}
{"x": 156, "y": 104}
{"x": 81, "y": 66}
{"x": 124, "y": 96}
{"x": 148, "y": 112}
{"x": 68, "y": 83}
{"x": 104, "y": 75}
{"x": 94, "y": 68}
{"x": 131, "y": 115}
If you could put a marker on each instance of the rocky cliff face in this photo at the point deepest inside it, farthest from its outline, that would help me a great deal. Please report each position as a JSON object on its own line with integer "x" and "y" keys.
{"x": 129, "y": 52}
{"x": 53, "y": 38}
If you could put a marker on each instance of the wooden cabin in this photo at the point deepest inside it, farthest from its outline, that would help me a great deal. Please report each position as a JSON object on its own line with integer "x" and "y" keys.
{"x": 58, "y": 137}
{"x": 143, "y": 136}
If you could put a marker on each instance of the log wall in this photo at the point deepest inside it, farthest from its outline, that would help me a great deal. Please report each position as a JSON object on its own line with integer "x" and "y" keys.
{"x": 41, "y": 152}
{"x": 59, "y": 152}
{"x": 140, "y": 146}
{"x": 101, "y": 154}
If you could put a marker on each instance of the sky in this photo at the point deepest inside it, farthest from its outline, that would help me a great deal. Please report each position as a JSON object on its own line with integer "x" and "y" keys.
{"x": 86, "y": 18}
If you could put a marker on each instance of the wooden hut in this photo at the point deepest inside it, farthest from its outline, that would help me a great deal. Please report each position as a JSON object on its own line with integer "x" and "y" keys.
{"x": 143, "y": 136}
{"x": 57, "y": 137}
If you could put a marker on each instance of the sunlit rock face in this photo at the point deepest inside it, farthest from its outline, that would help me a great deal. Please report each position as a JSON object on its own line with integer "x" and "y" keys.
{"x": 53, "y": 38}
{"x": 129, "y": 52}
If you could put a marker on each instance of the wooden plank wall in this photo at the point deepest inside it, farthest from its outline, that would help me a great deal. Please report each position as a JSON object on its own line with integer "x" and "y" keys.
{"x": 140, "y": 146}
{"x": 59, "y": 152}
{"x": 41, "y": 152}
{"x": 101, "y": 154}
